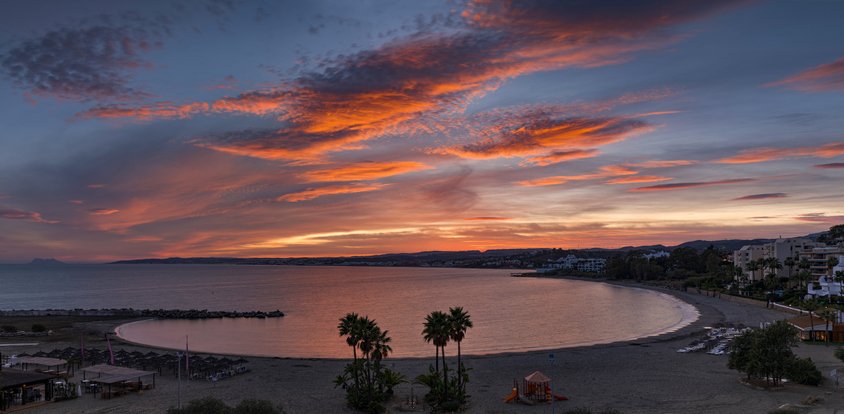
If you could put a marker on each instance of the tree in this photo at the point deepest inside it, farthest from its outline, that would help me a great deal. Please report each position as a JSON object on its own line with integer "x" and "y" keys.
{"x": 436, "y": 329}
{"x": 789, "y": 262}
{"x": 839, "y": 277}
{"x": 752, "y": 267}
{"x": 831, "y": 262}
{"x": 460, "y": 324}
{"x": 367, "y": 383}
{"x": 827, "y": 314}
{"x": 765, "y": 353}
{"x": 811, "y": 306}
{"x": 773, "y": 264}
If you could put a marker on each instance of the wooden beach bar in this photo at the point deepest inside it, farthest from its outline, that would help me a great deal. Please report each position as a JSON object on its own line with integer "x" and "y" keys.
{"x": 112, "y": 381}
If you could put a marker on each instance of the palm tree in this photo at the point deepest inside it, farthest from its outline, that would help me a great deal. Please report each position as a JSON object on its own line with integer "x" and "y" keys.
{"x": 831, "y": 262}
{"x": 827, "y": 314}
{"x": 811, "y": 306}
{"x": 774, "y": 265}
{"x": 752, "y": 267}
{"x": 789, "y": 262}
{"x": 839, "y": 277}
{"x": 436, "y": 330}
{"x": 349, "y": 327}
{"x": 460, "y": 323}
{"x": 430, "y": 333}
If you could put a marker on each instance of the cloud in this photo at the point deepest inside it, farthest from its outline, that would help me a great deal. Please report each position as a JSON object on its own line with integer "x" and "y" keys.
{"x": 363, "y": 171}
{"x": 820, "y": 218}
{"x": 312, "y": 193}
{"x": 560, "y": 156}
{"x": 487, "y": 218}
{"x": 96, "y": 186}
{"x": 102, "y": 211}
{"x": 421, "y": 82}
{"x": 537, "y": 132}
{"x": 638, "y": 179}
{"x": 761, "y": 196}
{"x": 13, "y": 214}
{"x": 228, "y": 82}
{"x": 84, "y": 63}
{"x": 604, "y": 172}
{"x": 754, "y": 155}
{"x": 661, "y": 163}
{"x": 831, "y": 165}
{"x": 826, "y": 77}
{"x": 683, "y": 186}
{"x": 144, "y": 112}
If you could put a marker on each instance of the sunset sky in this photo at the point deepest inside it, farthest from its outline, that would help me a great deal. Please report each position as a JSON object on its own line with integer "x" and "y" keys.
{"x": 322, "y": 128}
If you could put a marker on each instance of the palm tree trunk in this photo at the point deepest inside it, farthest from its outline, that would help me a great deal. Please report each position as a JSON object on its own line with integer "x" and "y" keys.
{"x": 445, "y": 377}
{"x": 437, "y": 358}
{"x": 357, "y": 375}
{"x": 459, "y": 370}
{"x": 812, "y": 328}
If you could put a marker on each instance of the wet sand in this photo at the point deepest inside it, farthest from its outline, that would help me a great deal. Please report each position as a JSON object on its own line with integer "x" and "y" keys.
{"x": 642, "y": 376}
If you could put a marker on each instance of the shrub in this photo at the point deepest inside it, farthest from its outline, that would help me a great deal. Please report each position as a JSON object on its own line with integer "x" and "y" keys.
{"x": 8, "y": 329}
{"x": 37, "y": 327}
{"x": 803, "y": 371}
{"x": 211, "y": 405}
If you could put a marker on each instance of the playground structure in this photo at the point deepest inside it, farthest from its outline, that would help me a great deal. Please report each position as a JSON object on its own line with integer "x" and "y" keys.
{"x": 534, "y": 388}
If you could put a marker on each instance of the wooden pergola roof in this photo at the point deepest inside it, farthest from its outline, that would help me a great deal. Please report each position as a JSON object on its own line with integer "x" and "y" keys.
{"x": 11, "y": 378}
{"x": 110, "y": 374}
{"x": 47, "y": 362}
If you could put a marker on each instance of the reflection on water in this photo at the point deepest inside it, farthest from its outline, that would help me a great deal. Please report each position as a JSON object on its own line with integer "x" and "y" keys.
{"x": 510, "y": 314}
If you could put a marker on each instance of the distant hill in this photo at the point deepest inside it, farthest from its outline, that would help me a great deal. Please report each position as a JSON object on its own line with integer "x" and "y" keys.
{"x": 499, "y": 258}
{"x": 45, "y": 262}
{"x": 729, "y": 245}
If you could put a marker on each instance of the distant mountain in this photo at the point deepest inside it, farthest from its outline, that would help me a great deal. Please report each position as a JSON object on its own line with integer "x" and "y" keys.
{"x": 499, "y": 258}
{"x": 729, "y": 245}
{"x": 45, "y": 262}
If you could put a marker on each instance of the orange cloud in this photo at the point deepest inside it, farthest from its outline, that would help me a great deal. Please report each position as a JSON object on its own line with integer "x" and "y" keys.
{"x": 829, "y": 76}
{"x": 102, "y": 211}
{"x": 363, "y": 171}
{"x": 638, "y": 179}
{"x": 606, "y": 171}
{"x": 487, "y": 218}
{"x": 683, "y": 186}
{"x": 415, "y": 84}
{"x": 754, "y": 155}
{"x": 534, "y": 133}
{"x": 146, "y": 112}
{"x": 560, "y": 156}
{"x": 313, "y": 193}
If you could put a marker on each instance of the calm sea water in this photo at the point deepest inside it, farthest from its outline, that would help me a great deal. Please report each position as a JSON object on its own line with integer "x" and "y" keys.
{"x": 510, "y": 314}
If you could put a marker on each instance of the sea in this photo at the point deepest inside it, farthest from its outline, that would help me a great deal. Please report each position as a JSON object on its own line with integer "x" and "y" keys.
{"x": 510, "y": 314}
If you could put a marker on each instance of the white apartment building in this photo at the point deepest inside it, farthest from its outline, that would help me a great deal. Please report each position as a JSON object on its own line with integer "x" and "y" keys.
{"x": 825, "y": 285}
{"x": 780, "y": 248}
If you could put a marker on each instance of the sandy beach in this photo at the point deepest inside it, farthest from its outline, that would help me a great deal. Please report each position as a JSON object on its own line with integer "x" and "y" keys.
{"x": 641, "y": 376}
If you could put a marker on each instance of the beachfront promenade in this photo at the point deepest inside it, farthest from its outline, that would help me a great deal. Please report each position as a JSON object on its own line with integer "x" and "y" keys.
{"x": 642, "y": 376}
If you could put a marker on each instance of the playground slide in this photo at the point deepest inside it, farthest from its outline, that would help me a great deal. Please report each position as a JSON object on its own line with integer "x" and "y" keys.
{"x": 560, "y": 397}
{"x": 512, "y": 396}
{"x": 524, "y": 400}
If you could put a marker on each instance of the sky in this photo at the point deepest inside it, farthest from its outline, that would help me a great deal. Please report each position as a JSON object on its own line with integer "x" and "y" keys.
{"x": 327, "y": 128}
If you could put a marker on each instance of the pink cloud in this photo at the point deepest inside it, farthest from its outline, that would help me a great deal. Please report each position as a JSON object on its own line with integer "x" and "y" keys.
{"x": 763, "y": 154}
{"x": 826, "y": 77}
{"x": 761, "y": 196}
{"x": 12, "y": 214}
{"x": 683, "y": 186}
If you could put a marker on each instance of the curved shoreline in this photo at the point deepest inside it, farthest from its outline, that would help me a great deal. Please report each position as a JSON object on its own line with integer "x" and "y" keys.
{"x": 638, "y": 376}
{"x": 689, "y": 314}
